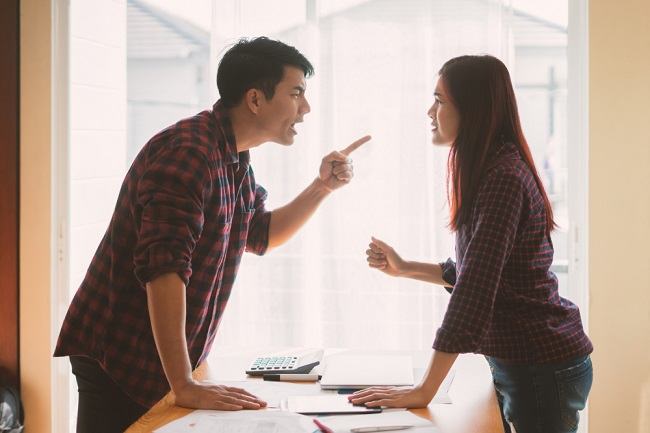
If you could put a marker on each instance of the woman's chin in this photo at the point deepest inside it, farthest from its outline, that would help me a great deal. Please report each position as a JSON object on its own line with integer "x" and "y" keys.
{"x": 440, "y": 143}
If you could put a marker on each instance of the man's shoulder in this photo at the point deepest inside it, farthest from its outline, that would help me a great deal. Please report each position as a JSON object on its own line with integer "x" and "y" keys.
{"x": 198, "y": 134}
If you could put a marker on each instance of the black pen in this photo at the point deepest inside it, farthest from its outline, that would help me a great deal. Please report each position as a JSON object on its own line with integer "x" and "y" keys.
{"x": 292, "y": 377}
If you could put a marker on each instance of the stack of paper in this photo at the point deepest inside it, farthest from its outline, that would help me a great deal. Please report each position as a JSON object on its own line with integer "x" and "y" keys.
{"x": 246, "y": 421}
{"x": 385, "y": 422}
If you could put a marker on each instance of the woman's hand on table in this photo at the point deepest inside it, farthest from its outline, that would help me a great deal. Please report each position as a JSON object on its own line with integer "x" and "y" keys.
{"x": 391, "y": 397}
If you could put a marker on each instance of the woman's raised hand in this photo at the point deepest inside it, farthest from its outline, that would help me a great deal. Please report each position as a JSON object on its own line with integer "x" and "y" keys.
{"x": 382, "y": 256}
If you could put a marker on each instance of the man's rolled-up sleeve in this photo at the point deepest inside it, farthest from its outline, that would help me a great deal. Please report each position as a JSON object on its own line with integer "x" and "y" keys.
{"x": 495, "y": 219}
{"x": 171, "y": 196}
{"x": 258, "y": 232}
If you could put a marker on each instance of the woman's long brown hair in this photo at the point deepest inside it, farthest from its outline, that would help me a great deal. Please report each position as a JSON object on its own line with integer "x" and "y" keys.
{"x": 481, "y": 90}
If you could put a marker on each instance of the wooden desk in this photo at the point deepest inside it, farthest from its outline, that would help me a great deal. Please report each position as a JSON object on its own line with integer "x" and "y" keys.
{"x": 474, "y": 408}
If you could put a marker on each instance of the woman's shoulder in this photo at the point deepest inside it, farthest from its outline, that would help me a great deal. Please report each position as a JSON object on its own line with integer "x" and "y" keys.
{"x": 506, "y": 172}
{"x": 507, "y": 166}
{"x": 507, "y": 179}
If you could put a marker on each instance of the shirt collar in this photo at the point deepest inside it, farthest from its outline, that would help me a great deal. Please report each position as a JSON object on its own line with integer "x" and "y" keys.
{"x": 504, "y": 148}
{"x": 500, "y": 151}
{"x": 229, "y": 143}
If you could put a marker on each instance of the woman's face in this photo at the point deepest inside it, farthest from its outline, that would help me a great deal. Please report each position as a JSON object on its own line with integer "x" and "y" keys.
{"x": 444, "y": 116}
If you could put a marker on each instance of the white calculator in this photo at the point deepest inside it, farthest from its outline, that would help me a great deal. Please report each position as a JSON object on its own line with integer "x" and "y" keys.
{"x": 297, "y": 361}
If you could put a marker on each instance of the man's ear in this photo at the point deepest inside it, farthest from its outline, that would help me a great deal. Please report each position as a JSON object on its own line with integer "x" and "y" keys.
{"x": 253, "y": 99}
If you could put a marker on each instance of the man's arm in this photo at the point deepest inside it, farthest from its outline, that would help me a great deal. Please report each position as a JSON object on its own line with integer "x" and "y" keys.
{"x": 166, "y": 303}
{"x": 335, "y": 171}
{"x": 286, "y": 220}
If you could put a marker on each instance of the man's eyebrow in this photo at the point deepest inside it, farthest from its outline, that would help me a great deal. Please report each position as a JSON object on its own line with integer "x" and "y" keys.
{"x": 300, "y": 88}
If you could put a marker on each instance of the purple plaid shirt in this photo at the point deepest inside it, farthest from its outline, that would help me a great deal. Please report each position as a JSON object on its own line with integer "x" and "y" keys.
{"x": 505, "y": 301}
{"x": 190, "y": 205}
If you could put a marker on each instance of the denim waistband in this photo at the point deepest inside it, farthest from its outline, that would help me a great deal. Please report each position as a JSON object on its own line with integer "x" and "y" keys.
{"x": 505, "y": 364}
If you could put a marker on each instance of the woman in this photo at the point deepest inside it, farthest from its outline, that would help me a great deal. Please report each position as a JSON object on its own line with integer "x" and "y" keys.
{"x": 504, "y": 300}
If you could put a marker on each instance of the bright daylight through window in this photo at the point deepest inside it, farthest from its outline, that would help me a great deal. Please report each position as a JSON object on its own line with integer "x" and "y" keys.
{"x": 376, "y": 63}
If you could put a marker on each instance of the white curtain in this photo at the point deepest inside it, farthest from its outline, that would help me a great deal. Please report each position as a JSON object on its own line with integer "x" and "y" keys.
{"x": 376, "y": 66}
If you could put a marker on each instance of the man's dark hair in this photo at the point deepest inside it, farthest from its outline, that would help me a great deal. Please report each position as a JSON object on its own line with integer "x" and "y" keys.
{"x": 256, "y": 64}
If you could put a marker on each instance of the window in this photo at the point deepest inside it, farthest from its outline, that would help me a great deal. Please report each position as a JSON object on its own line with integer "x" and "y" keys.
{"x": 376, "y": 64}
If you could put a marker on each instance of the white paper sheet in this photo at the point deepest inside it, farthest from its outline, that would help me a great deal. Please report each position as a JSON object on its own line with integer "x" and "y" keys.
{"x": 343, "y": 423}
{"x": 321, "y": 404}
{"x": 245, "y": 421}
{"x": 274, "y": 392}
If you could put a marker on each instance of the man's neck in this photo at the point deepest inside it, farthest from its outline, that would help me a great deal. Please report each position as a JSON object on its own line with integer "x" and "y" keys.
{"x": 243, "y": 126}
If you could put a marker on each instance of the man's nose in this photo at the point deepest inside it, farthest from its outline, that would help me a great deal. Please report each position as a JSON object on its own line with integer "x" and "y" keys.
{"x": 306, "y": 108}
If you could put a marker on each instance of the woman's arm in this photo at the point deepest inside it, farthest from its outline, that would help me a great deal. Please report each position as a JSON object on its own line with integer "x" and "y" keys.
{"x": 383, "y": 257}
{"x": 418, "y": 396}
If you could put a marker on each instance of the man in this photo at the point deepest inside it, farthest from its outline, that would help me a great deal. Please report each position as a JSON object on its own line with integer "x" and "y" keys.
{"x": 147, "y": 311}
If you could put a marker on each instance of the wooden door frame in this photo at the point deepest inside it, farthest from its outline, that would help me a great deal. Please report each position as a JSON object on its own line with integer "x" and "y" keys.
{"x": 9, "y": 192}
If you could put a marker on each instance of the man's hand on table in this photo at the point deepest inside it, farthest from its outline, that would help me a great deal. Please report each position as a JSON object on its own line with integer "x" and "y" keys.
{"x": 206, "y": 395}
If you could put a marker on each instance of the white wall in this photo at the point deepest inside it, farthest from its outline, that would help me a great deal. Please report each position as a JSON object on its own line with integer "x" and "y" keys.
{"x": 97, "y": 123}
{"x": 161, "y": 92}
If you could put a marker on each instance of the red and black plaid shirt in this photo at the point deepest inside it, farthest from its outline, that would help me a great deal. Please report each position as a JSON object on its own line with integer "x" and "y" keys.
{"x": 190, "y": 205}
{"x": 505, "y": 301}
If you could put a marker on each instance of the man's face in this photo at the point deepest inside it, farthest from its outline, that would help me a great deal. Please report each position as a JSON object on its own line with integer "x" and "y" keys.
{"x": 278, "y": 116}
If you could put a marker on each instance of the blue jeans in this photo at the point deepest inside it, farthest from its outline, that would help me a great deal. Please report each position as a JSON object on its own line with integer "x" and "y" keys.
{"x": 542, "y": 398}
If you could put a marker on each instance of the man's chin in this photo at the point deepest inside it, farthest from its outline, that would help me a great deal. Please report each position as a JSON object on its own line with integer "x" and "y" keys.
{"x": 285, "y": 141}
